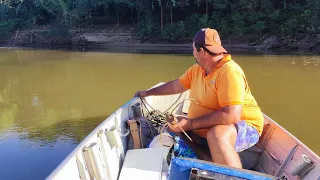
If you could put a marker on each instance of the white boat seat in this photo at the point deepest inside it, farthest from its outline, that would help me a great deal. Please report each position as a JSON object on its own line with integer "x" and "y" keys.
{"x": 250, "y": 156}
{"x": 144, "y": 164}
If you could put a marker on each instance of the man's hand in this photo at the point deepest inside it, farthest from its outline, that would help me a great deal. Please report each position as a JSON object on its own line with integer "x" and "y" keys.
{"x": 141, "y": 94}
{"x": 183, "y": 122}
{"x": 169, "y": 88}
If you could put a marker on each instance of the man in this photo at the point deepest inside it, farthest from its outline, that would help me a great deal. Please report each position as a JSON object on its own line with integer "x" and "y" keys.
{"x": 222, "y": 109}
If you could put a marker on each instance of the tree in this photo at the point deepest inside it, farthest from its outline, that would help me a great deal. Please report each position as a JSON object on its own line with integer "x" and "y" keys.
{"x": 160, "y": 3}
{"x": 9, "y": 5}
{"x": 180, "y": 4}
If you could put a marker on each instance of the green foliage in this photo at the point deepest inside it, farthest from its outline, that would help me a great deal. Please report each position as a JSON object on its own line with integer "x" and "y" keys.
{"x": 289, "y": 27}
{"x": 8, "y": 27}
{"x": 11, "y": 3}
{"x": 174, "y": 34}
{"x": 220, "y": 4}
{"x": 195, "y": 22}
{"x": 238, "y": 23}
{"x": 314, "y": 7}
{"x": 146, "y": 28}
{"x": 59, "y": 33}
{"x": 181, "y": 18}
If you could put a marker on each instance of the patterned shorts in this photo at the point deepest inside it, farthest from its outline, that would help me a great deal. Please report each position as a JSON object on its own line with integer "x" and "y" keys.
{"x": 247, "y": 137}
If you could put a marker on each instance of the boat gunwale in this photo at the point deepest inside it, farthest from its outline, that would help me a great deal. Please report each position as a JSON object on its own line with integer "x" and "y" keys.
{"x": 300, "y": 143}
{"x": 87, "y": 140}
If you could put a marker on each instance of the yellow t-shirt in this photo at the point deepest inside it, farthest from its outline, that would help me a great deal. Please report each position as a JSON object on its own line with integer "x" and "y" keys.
{"x": 225, "y": 85}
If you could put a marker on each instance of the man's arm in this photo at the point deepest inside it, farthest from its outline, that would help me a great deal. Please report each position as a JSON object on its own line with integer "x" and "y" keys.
{"x": 169, "y": 88}
{"x": 227, "y": 115}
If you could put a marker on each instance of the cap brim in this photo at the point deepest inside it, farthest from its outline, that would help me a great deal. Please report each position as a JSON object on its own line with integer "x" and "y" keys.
{"x": 216, "y": 49}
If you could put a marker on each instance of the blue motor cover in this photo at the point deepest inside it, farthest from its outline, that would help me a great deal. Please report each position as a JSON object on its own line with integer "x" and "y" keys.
{"x": 180, "y": 169}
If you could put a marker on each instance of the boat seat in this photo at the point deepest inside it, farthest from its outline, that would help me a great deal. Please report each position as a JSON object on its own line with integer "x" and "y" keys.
{"x": 144, "y": 164}
{"x": 249, "y": 157}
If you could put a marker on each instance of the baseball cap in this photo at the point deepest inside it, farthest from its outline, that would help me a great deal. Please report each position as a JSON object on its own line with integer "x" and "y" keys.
{"x": 210, "y": 39}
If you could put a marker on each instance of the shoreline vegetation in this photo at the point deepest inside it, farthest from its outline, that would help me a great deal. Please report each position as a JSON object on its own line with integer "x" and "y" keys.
{"x": 161, "y": 26}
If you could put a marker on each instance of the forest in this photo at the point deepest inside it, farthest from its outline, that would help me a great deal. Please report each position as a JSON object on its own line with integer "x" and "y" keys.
{"x": 171, "y": 21}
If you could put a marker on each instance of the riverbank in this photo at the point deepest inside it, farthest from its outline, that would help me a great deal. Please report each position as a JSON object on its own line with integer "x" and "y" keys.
{"x": 147, "y": 48}
{"x": 126, "y": 39}
{"x": 157, "y": 48}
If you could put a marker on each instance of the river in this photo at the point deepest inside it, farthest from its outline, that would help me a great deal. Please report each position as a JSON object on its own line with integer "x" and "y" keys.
{"x": 50, "y": 100}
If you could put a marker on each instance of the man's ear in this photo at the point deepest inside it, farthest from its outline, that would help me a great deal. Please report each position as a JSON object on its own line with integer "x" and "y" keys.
{"x": 203, "y": 52}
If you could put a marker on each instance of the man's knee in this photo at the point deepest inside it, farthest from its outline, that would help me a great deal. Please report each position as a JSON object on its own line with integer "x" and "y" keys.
{"x": 222, "y": 133}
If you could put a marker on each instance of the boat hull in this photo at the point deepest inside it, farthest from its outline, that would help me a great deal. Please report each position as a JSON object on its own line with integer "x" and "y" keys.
{"x": 101, "y": 154}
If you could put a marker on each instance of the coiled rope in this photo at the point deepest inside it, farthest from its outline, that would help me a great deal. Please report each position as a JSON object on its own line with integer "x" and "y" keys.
{"x": 158, "y": 118}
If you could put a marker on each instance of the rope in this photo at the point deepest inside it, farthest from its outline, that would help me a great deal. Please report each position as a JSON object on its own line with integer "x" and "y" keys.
{"x": 164, "y": 117}
{"x": 162, "y": 129}
{"x": 173, "y": 104}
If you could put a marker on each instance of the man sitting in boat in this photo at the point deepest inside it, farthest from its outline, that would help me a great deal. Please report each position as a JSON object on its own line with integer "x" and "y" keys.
{"x": 222, "y": 109}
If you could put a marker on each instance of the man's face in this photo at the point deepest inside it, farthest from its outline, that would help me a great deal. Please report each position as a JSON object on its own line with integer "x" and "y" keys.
{"x": 196, "y": 54}
{"x": 199, "y": 56}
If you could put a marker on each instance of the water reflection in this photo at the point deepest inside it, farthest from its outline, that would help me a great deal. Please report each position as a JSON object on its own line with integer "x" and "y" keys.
{"x": 50, "y": 100}
{"x": 35, "y": 150}
{"x": 8, "y": 110}
{"x": 75, "y": 129}
{"x": 25, "y": 159}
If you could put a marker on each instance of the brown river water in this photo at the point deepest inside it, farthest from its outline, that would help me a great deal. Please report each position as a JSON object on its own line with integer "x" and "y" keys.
{"x": 50, "y": 100}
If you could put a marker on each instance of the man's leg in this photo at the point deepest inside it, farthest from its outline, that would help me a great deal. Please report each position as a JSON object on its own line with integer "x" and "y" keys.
{"x": 221, "y": 140}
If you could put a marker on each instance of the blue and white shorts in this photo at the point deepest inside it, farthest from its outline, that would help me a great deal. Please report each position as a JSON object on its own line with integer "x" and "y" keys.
{"x": 247, "y": 137}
